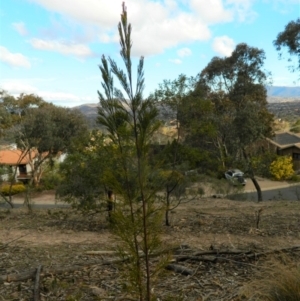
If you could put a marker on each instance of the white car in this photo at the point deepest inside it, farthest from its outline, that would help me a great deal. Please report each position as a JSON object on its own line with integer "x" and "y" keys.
{"x": 236, "y": 177}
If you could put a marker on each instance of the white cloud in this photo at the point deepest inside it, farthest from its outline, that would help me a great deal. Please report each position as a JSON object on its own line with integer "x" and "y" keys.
{"x": 16, "y": 87}
{"x": 102, "y": 12}
{"x": 184, "y": 52}
{"x": 243, "y": 9}
{"x": 157, "y": 25}
{"x": 167, "y": 33}
{"x": 63, "y": 47}
{"x": 212, "y": 11}
{"x": 20, "y": 28}
{"x": 223, "y": 45}
{"x": 283, "y": 6}
{"x": 62, "y": 98}
{"x": 14, "y": 59}
{"x": 175, "y": 61}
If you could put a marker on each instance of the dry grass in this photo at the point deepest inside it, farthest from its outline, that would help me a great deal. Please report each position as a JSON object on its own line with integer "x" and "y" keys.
{"x": 277, "y": 280}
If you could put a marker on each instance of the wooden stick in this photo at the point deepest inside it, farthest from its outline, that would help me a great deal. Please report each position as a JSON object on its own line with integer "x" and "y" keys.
{"x": 36, "y": 289}
{"x": 179, "y": 269}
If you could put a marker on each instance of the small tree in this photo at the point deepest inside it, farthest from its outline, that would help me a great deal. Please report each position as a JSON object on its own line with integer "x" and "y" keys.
{"x": 176, "y": 191}
{"x": 282, "y": 168}
{"x": 83, "y": 171}
{"x": 130, "y": 122}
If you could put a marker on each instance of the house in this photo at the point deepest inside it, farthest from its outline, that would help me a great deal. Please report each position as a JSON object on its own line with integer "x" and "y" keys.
{"x": 287, "y": 144}
{"x": 18, "y": 161}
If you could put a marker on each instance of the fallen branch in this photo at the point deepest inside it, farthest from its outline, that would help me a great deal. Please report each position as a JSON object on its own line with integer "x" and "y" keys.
{"x": 179, "y": 258}
{"x": 201, "y": 256}
{"x": 179, "y": 269}
{"x": 217, "y": 252}
{"x": 36, "y": 289}
{"x": 104, "y": 252}
{"x": 31, "y": 274}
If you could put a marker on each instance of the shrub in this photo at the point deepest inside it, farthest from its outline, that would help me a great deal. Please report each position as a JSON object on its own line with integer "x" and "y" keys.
{"x": 15, "y": 189}
{"x": 282, "y": 168}
{"x": 295, "y": 178}
{"x": 50, "y": 181}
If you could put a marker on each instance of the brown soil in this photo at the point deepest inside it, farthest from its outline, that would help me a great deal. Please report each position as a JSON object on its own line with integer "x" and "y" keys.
{"x": 61, "y": 237}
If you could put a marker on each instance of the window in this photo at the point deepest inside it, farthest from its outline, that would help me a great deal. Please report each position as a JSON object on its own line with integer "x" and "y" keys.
{"x": 296, "y": 156}
{"x": 22, "y": 169}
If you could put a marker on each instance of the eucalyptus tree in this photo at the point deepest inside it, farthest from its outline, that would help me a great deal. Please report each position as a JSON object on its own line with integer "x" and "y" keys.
{"x": 130, "y": 122}
{"x": 169, "y": 98}
{"x": 289, "y": 39}
{"x": 241, "y": 82}
{"x": 186, "y": 106}
{"x": 46, "y": 132}
{"x": 12, "y": 110}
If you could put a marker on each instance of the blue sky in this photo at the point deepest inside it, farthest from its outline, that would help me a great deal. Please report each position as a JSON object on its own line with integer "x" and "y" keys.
{"x": 53, "y": 47}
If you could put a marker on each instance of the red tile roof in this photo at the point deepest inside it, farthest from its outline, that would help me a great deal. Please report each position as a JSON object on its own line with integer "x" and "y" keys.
{"x": 14, "y": 157}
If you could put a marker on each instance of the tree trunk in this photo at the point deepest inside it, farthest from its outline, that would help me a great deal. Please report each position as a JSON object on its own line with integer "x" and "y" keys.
{"x": 251, "y": 173}
{"x": 110, "y": 203}
{"x": 258, "y": 189}
{"x": 167, "y": 210}
{"x": 8, "y": 200}
{"x": 221, "y": 153}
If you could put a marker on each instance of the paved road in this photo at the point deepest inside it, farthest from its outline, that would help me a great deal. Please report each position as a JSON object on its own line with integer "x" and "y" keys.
{"x": 43, "y": 201}
{"x": 271, "y": 190}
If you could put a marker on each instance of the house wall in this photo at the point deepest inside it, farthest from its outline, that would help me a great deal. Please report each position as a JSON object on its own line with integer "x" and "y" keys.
{"x": 5, "y": 177}
{"x": 289, "y": 152}
{"x": 20, "y": 174}
{"x": 286, "y": 152}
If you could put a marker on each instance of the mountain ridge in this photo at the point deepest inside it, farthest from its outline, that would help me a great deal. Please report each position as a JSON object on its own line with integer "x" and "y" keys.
{"x": 280, "y": 98}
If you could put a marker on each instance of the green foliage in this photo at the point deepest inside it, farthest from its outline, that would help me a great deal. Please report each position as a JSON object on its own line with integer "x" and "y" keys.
{"x": 182, "y": 157}
{"x": 82, "y": 172}
{"x": 12, "y": 109}
{"x": 290, "y": 39}
{"x": 295, "y": 178}
{"x": 51, "y": 177}
{"x": 7, "y": 189}
{"x": 174, "y": 184}
{"x": 282, "y": 168}
{"x": 236, "y": 87}
{"x": 49, "y": 131}
{"x": 261, "y": 163}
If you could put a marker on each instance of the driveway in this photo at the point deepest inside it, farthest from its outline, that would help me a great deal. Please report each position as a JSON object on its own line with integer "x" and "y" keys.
{"x": 271, "y": 190}
{"x": 42, "y": 200}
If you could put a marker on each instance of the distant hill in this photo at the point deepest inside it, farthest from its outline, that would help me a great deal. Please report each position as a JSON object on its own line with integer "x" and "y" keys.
{"x": 280, "y": 91}
{"x": 90, "y": 111}
{"x": 287, "y": 98}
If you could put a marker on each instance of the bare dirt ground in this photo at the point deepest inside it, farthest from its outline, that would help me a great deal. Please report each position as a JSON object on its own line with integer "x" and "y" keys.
{"x": 217, "y": 240}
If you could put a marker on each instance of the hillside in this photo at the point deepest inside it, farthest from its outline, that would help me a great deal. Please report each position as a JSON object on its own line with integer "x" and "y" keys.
{"x": 286, "y": 108}
{"x": 286, "y": 92}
